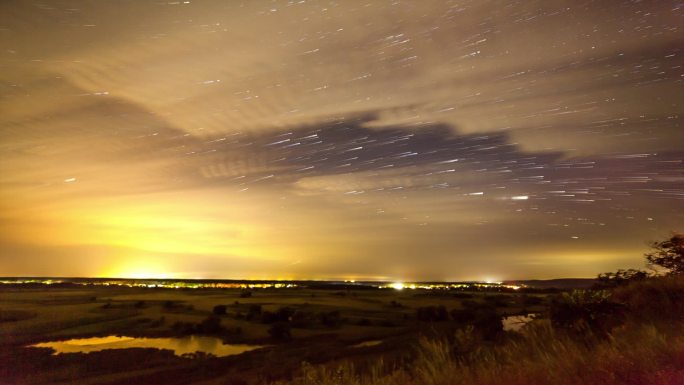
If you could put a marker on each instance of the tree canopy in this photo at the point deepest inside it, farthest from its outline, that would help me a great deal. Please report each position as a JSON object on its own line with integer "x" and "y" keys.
{"x": 668, "y": 254}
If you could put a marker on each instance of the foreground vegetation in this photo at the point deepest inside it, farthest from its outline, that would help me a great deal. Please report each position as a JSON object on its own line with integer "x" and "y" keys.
{"x": 628, "y": 330}
{"x": 639, "y": 342}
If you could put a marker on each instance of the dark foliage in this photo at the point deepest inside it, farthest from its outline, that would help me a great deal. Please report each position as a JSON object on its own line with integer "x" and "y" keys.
{"x": 525, "y": 300}
{"x": 657, "y": 300}
{"x": 483, "y": 317}
{"x": 210, "y": 325}
{"x": 283, "y": 314}
{"x": 330, "y": 319}
{"x": 432, "y": 314}
{"x": 254, "y": 312}
{"x": 219, "y": 310}
{"x": 497, "y": 300}
{"x": 303, "y": 319}
{"x": 668, "y": 254}
{"x": 280, "y": 331}
{"x": 620, "y": 277}
{"x": 585, "y": 311}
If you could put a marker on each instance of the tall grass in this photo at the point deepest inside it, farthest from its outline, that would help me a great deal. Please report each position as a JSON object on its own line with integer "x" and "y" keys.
{"x": 647, "y": 349}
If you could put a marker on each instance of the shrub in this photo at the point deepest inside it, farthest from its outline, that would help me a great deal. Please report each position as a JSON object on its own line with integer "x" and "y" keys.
{"x": 620, "y": 277}
{"x": 582, "y": 311}
{"x": 210, "y": 325}
{"x": 283, "y": 314}
{"x": 303, "y": 319}
{"x": 658, "y": 299}
{"x": 395, "y": 304}
{"x": 432, "y": 313}
{"x": 280, "y": 331}
{"x": 330, "y": 319}
{"x": 254, "y": 312}
{"x": 498, "y": 300}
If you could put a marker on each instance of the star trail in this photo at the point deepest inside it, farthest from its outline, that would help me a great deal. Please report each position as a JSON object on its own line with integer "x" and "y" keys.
{"x": 431, "y": 140}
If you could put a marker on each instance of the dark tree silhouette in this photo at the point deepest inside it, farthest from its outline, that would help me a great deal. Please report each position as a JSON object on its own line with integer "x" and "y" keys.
{"x": 620, "y": 277}
{"x": 668, "y": 254}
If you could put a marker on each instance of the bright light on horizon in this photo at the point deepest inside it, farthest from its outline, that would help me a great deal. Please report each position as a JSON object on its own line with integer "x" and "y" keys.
{"x": 397, "y": 286}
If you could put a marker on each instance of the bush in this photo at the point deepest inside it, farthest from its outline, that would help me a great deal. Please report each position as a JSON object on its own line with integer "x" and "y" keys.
{"x": 330, "y": 319}
{"x": 283, "y": 314}
{"x": 219, "y": 310}
{"x": 657, "y": 299}
{"x": 395, "y": 304}
{"x": 620, "y": 277}
{"x": 280, "y": 331}
{"x": 583, "y": 311}
{"x": 498, "y": 300}
{"x": 211, "y": 325}
{"x": 529, "y": 300}
{"x": 303, "y": 319}
{"x": 487, "y": 322}
{"x": 254, "y": 312}
{"x": 483, "y": 319}
{"x": 432, "y": 313}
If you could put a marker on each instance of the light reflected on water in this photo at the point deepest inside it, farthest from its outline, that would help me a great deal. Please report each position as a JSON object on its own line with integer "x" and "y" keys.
{"x": 180, "y": 346}
{"x": 367, "y": 344}
{"x": 516, "y": 322}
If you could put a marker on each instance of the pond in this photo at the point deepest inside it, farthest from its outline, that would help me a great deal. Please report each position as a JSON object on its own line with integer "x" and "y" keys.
{"x": 516, "y": 322}
{"x": 366, "y": 344}
{"x": 180, "y": 346}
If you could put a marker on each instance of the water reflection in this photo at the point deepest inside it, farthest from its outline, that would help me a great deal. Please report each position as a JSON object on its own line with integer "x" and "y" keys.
{"x": 516, "y": 322}
{"x": 180, "y": 346}
{"x": 367, "y": 344}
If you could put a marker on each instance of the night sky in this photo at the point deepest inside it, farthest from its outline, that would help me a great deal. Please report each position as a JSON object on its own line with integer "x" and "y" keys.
{"x": 394, "y": 140}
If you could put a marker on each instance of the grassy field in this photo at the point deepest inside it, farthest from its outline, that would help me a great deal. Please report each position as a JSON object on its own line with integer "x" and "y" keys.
{"x": 297, "y": 325}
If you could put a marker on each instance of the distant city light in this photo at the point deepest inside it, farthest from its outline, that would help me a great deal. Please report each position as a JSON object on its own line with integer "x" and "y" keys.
{"x": 397, "y": 286}
{"x": 250, "y": 285}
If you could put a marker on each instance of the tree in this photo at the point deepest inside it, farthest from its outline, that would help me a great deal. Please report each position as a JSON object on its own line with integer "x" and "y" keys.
{"x": 668, "y": 254}
{"x": 620, "y": 277}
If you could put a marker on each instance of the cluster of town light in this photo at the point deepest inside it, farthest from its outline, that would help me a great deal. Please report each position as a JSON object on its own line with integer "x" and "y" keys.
{"x": 447, "y": 286}
{"x": 255, "y": 285}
